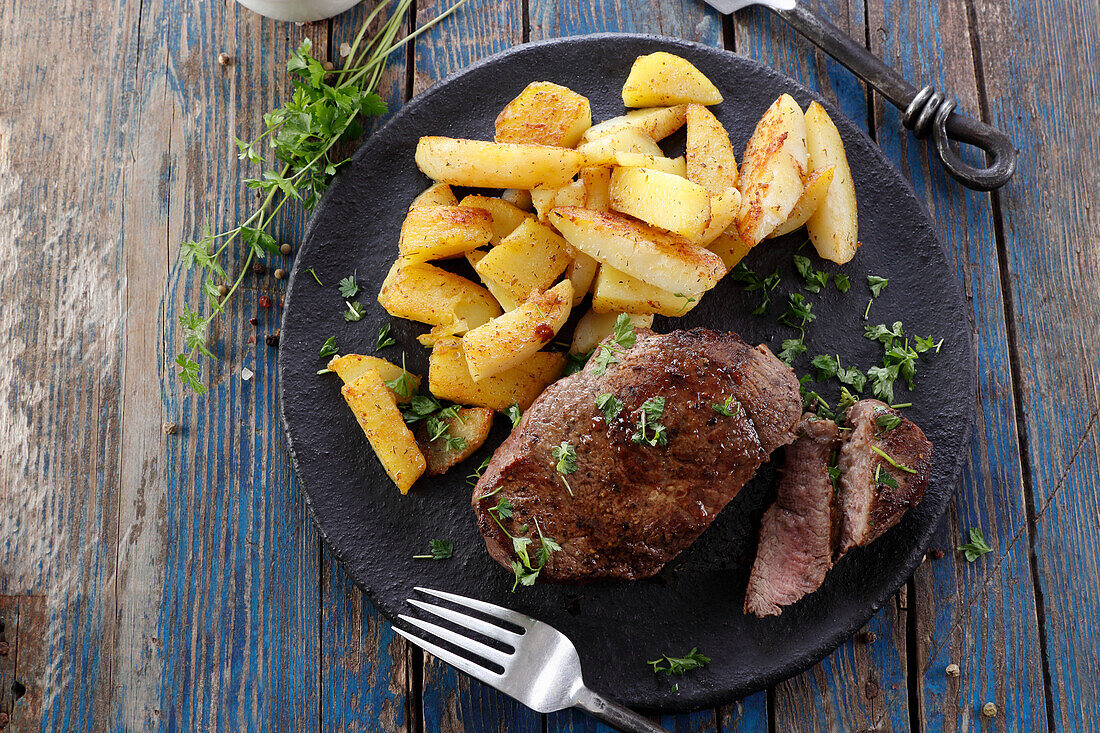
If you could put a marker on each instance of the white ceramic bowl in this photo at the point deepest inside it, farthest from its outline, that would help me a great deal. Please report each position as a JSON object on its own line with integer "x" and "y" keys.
{"x": 298, "y": 10}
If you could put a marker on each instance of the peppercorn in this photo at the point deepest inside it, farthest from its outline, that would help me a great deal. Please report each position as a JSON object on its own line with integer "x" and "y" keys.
{"x": 272, "y": 339}
{"x": 327, "y": 65}
{"x": 867, "y": 637}
{"x": 280, "y": 273}
{"x": 285, "y": 248}
{"x": 259, "y": 268}
{"x": 952, "y": 670}
{"x": 265, "y": 302}
{"x": 937, "y": 554}
{"x": 989, "y": 710}
{"x": 4, "y": 649}
{"x": 169, "y": 428}
{"x": 253, "y": 320}
{"x": 224, "y": 59}
{"x": 223, "y": 290}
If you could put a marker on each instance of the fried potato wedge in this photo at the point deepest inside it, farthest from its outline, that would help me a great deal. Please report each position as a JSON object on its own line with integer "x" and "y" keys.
{"x": 597, "y": 185}
{"x": 505, "y": 216}
{"x": 730, "y": 247}
{"x": 662, "y": 199}
{"x": 529, "y": 259}
{"x": 665, "y": 260}
{"x": 435, "y": 232}
{"x": 428, "y": 294}
{"x": 518, "y": 197}
{"x": 465, "y": 433}
{"x": 545, "y": 199}
{"x": 511, "y": 339}
{"x": 710, "y": 159}
{"x": 834, "y": 226}
{"x": 616, "y": 292}
{"x": 663, "y": 78}
{"x": 581, "y": 272}
{"x": 481, "y": 164}
{"x": 772, "y": 171}
{"x": 723, "y": 213}
{"x": 503, "y": 297}
{"x": 440, "y": 332}
{"x": 381, "y": 421}
{"x": 350, "y": 367}
{"x": 449, "y": 378}
{"x": 602, "y": 150}
{"x": 656, "y": 123}
{"x": 544, "y": 114}
{"x": 437, "y": 194}
{"x": 594, "y": 327}
{"x": 816, "y": 188}
{"x": 673, "y": 166}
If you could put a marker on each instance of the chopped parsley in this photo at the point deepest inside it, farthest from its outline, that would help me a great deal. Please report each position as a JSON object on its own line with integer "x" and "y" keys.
{"x": 834, "y": 476}
{"x": 503, "y": 509}
{"x": 791, "y": 349}
{"x": 688, "y": 300}
{"x": 419, "y": 407}
{"x": 348, "y": 287}
{"x": 329, "y": 347}
{"x": 847, "y": 399}
{"x": 609, "y": 405}
{"x": 575, "y": 362}
{"x": 729, "y": 408}
{"x": 842, "y": 283}
{"x": 883, "y": 477}
{"x": 799, "y": 311}
{"x": 891, "y": 461}
{"x": 402, "y": 385}
{"x": 976, "y": 547}
{"x": 474, "y": 477}
{"x": 650, "y": 413}
{"x": 313, "y": 272}
{"x": 826, "y": 366}
{"x": 750, "y": 281}
{"x": 355, "y": 311}
{"x": 876, "y": 284}
{"x": 566, "y": 456}
{"x": 679, "y": 665}
{"x": 813, "y": 280}
{"x": 622, "y": 338}
{"x": 514, "y": 414}
{"x": 887, "y": 421}
{"x": 440, "y": 550}
{"x": 384, "y": 338}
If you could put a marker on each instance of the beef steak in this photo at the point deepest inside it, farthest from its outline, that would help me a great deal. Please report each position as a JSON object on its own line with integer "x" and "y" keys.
{"x": 631, "y": 507}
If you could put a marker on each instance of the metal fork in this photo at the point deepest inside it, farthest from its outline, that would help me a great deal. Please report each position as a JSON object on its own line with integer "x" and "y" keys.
{"x": 924, "y": 112}
{"x": 542, "y": 671}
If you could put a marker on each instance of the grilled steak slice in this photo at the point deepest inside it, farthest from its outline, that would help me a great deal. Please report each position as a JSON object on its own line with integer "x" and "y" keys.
{"x": 874, "y": 493}
{"x": 631, "y": 507}
{"x": 796, "y": 543}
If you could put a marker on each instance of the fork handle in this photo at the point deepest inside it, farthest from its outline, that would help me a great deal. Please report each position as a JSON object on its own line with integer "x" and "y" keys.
{"x": 925, "y": 111}
{"x": 615, "y": 715}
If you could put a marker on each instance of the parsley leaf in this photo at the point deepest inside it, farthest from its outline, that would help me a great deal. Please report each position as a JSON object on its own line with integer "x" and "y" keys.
{"x": 575, "y": 362}
{"x": 402, "y": 385}
{"x": 814, "y": 280}
{"x": 729, "y": 408}
{"x": 826, "y": 366}
{"x": 887, "y": 421}
{"x": 926, "y": 344}
{"x": 842, "y": 283}
{"x": 503, "y": 509}
{"x": 622, "y": 338}
{"x": 384, "y": 338}
{"x": 609, "y": 405}
{"x": 891, "y": 460}
{"x": 876, "y": 284}
{"x": 440, "y": 550}
{"x": 791, "y": 350}
{"x": 883, "y": 477}
{"x": 313, "y": 272}
{"x": 514, "y": 414}
{"x": 329, "y": 347}
{"x": 355, "y": 311}
{"x": 419, "y": 407}
{"x": 349, "y": 288}
{"x": 566, "y": 456}
{"x": 882, "y": 334}
{"x": 852, "y": 377}
{"x": 454, "y": 443}
{"x": 976, "y": 547}
{"x": 688, "y": 300}
{"x": 474, "y": 477}
{"x": 799, "y": 311}
{"x": 834, "y": 476}
{"x": 679, "y": 665}
{"x": 651, "y": 411}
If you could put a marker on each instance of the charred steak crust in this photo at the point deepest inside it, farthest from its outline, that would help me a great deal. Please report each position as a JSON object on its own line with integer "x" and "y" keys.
{"x": 874, "y": 494}
{"x": 632, "y": 508}
{"x": 795, "y": 548}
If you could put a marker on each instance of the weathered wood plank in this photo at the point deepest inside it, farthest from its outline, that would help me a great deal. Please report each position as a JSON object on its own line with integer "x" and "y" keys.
{"x": 366, "y": 669}
{"x": 859, "y": 686}
{"x": 64, "y": 116}
{"x": 979, "y": 616}
{"x": 234, "y": 625}
{"x": 1042, "y": 86}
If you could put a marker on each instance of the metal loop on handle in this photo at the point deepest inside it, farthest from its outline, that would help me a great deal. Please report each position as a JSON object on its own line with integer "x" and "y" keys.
{"x": 922, "y": 111}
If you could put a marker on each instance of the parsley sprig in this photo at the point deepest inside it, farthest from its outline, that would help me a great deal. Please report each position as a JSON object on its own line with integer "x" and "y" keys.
{"x": 440, "y": 550}
{"x": 622, "y": 338}
{"x": 750, "y": 282}
{"x": 648, "y": 419}
{"x": 976, "y": 547}
{"x": 302, "y": 137}
{"x": 525, "y": 569}
{"x": 679, "y": 665}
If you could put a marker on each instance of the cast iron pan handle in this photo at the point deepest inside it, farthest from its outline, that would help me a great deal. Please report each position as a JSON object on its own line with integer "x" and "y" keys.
{"x": 925, "y": 111}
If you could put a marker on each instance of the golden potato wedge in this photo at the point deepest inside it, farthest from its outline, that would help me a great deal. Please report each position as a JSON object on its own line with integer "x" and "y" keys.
{"x": 464, "y": 434}
{"x": 428, "y": 294}
{"x": 594, "y": 327}
{"x": 581, "y": 272}
{"x": 529, "y": 259}
{"x": 544, "y": 114}
{"x": 483, "y": 164}
{"x": 816, "y": 188}
{"x": 616, "y": 292}
{"x": 662, "y": 199}
{"x": 730, "y": 247}
{"x": 505, "y": 217}
{"x": 350, "y": 367}
{"x": 518, "y": 197}
{"x": 391, "y": 439}
{"x": 834, "y": 226}
{"x": 664, "y": 260}
{"x": 710, "y": 159}
{"x": 545, "y": 199}
{"x": 723, "y": 213}
{"x": 440, "y": 332}
{"x": 597, "y": 184}
{"x": 449, "y": 378}
{"x": 602, "y": 150}
{"x": 656, "y": 123}
{"x": 435, "y": 232}
{"x": 673, "y": 166}
{"x": 504, "y": 342}
{"x": 772, "y": 171}
{"x": 504, "y": 298}
{"x": 663, "y": 78}
{"x": 437, "y": 194}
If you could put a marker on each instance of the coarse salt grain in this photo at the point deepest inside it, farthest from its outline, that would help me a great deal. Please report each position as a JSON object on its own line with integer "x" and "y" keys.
{"x": 247, "y": 374}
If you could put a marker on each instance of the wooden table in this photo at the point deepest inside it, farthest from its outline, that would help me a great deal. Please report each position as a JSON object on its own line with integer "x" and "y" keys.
{"x": 152, "y": 581}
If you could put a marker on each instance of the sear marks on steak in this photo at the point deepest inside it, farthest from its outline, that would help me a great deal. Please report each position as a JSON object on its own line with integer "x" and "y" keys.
{"x": 796, "y": 543}
{"x": 873, "y": 493}
{"x": 633, "y": 507}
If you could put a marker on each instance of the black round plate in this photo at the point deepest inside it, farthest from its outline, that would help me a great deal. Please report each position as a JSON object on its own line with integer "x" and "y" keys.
{"x": 696, "y": 601}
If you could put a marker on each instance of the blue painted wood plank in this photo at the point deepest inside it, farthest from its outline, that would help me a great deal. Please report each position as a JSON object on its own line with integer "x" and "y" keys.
{"x": 1043, "y": 86}
{"x": 967, "y": 613}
